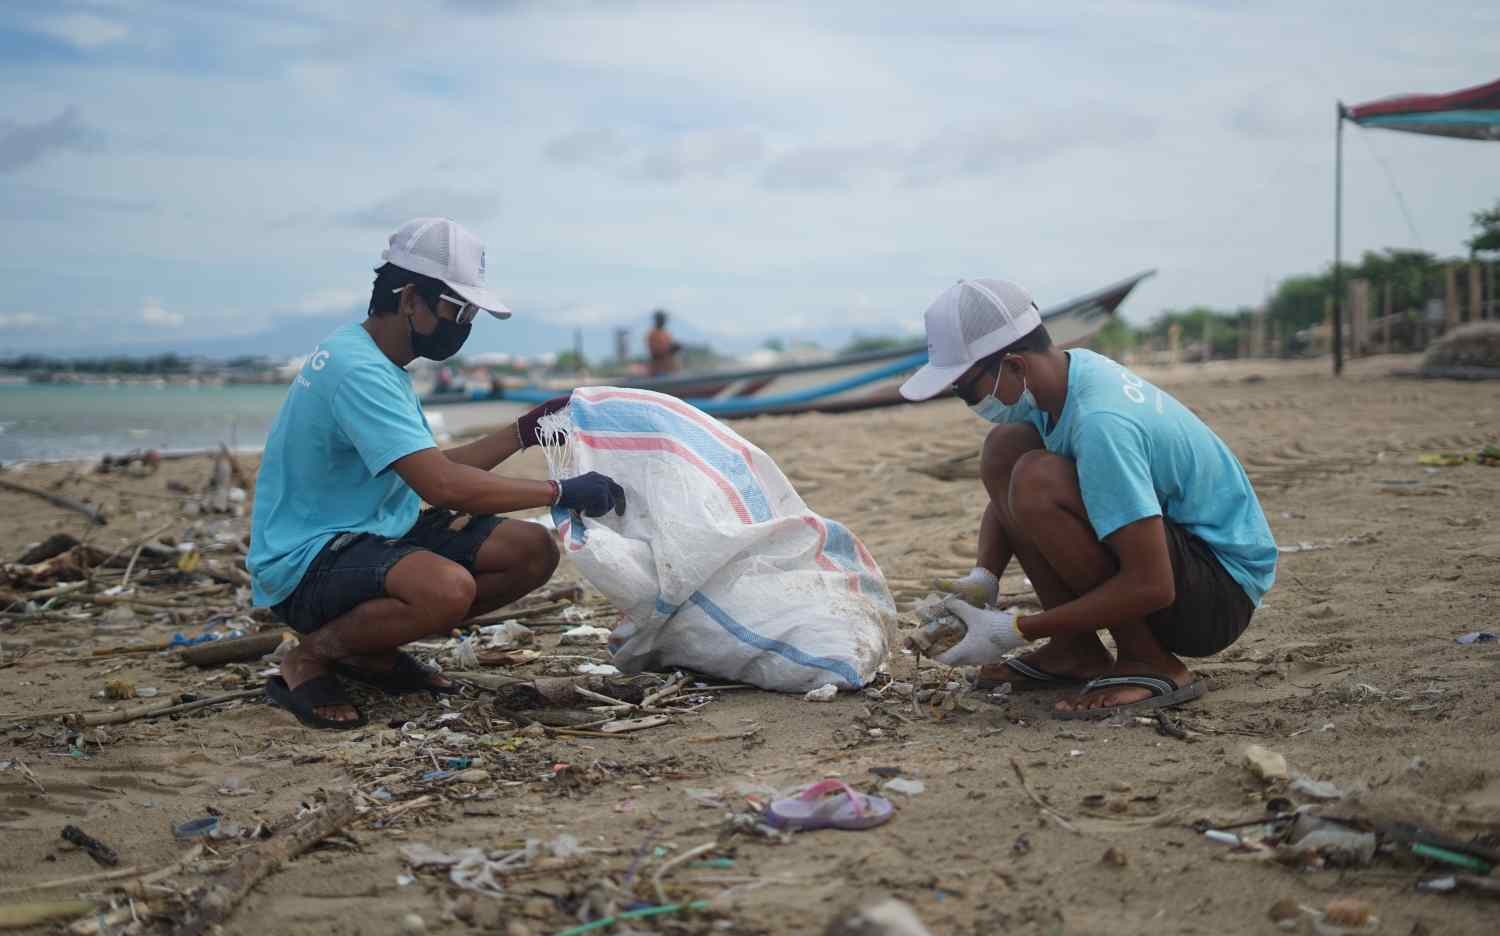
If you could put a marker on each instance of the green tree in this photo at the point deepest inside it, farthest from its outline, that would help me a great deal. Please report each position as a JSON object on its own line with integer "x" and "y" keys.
{"x": 1487, "y": 225}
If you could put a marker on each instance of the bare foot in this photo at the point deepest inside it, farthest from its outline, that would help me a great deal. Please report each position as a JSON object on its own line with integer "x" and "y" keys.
{"x": 1168, "y": 666}
{"x": 1076, "y": 660}
{"x": 297, "y": 667}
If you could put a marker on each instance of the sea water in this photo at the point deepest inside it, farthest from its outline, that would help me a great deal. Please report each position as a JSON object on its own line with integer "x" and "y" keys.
{"x": 47, "y": 422}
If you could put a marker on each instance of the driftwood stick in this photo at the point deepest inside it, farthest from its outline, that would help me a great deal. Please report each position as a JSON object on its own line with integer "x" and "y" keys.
{"x": 139, "y": 545}
{"x": 94, "y": 514}
{"x": 156, "y": 711}
{"x": 1041, "y": 804}
{"x": 216, "y": 902}
{"x": 71, "y": 881}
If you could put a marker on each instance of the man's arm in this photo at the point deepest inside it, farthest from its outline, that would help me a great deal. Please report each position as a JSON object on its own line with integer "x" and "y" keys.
{"x": 443, "y": 482}
{"x": 1143, "y": 585}
{"x": 484, "y": 453}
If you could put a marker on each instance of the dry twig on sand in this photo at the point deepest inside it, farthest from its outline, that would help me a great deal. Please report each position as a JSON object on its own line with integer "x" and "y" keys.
{"x": 216, "y": 902}
{"x": 156, "y": 711}
{"x": 95, "y": 515}
{"x": 1041, "y": 804}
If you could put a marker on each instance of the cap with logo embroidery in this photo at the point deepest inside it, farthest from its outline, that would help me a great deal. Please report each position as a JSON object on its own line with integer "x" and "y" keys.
{"x": 446, "y": 250}
{"x": 971, "y": 320}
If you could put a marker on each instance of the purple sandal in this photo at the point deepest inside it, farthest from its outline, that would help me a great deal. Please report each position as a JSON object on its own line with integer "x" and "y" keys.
{"x": 814, "y": 809}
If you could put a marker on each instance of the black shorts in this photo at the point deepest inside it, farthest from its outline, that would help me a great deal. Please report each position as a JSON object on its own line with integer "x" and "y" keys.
{"x": 1210, "y": 611}
{"x": 351, "y": 569}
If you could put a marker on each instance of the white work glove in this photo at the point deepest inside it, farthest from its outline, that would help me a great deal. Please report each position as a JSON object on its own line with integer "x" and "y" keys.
{"x": 989, "y": 636}
{"x": 979, "y": 587}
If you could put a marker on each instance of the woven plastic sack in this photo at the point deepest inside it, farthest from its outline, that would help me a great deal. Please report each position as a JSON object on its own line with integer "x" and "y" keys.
{"x": 717, "y": 565}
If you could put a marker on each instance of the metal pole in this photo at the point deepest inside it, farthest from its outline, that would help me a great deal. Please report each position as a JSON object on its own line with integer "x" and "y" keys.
{"x": 1338, "y": 241}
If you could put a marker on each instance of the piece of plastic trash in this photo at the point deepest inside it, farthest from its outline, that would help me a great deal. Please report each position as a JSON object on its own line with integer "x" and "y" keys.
{"x": 1475, "y": 637}
{"x": 1339, "y": 844}
{"x": 1265, "y": 764}
{"x": 824, "y": 693}
{"x": 1223, "y": 838}
{"x": 904, "y": 785}
{"x": 1316, "y": 789}
{"x": 196, "y": 828}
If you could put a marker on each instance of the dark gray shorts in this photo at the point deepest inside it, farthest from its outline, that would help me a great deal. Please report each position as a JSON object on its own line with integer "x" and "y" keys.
{"x": 351, "y": 569}
{"x": 1211, "y": 610}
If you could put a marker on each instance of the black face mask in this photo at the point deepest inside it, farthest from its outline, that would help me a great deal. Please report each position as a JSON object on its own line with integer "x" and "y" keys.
{"x": 442, "y": 343}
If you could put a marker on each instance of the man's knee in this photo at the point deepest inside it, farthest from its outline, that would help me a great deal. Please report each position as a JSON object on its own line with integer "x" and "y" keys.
{"x": 1040, "y": 483}
{"x": 440, "y": 590}
{"x": 542, "y": 552}
{"x": 1003, "y": 447}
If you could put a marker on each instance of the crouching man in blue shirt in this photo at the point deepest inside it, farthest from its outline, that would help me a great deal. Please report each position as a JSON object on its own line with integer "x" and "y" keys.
{"x": 340, "y": 548}
{"x": 1127, "y": 513}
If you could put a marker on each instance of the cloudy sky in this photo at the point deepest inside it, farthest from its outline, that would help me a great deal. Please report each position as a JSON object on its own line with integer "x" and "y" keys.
{"x": 172, "y": 172}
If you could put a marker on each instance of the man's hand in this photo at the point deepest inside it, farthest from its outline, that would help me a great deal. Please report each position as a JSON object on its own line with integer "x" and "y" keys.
{"x": 526, "y": 427}
{"x": 989, "y": 636}
{"x": 592, "y": 494}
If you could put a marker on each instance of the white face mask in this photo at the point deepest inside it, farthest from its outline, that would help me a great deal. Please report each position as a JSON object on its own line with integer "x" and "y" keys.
{"x": 992, "y": 410}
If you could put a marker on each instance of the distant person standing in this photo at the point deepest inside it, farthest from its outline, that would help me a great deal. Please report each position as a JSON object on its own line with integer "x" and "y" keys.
{"x": 661, "y": 346}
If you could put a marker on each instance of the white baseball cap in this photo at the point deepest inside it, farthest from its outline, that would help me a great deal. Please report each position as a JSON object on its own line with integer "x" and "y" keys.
{"x": 446, "y": 250}
{"x": 971, "y": 320}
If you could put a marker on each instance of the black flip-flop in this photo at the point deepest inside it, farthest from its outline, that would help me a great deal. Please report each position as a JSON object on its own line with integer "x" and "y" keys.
{"x": 1032, "y": 678}
{"x": 1165, "y": 693}
{"x": 406, "y": 675}
{"x": 311, "y": 695}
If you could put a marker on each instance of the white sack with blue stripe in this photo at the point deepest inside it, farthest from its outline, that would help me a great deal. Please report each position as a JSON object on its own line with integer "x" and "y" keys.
{"x": 717, "y": 565}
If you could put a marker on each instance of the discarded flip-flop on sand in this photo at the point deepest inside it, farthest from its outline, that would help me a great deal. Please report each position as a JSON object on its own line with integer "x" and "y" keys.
{"x": 1165, "y": 693}
{"x": 306, "y": 699}
{"x": 830, "y": 804}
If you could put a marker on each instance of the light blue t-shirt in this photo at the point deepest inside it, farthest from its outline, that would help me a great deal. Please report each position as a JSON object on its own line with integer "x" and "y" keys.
{"x": 349, "y": 413}
{"x": 1140, "y": 453}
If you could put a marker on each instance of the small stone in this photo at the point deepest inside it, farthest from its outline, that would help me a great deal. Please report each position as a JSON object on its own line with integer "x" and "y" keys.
{"x": 1265, "y": 764}
{"x": 1348, "y": 911}
{"x": 1115, "y": 857}
{"x": 1285, "y": 913}
{"x": 1120, "y": 786}
{"x": 517, "y": 928}
{"x": 533, "y": 730}
{"x": 413, "y": 925}
{"x": 119, "y": 689}
{"x": 1118, "y": 806}
{"x": 472, "y": 775}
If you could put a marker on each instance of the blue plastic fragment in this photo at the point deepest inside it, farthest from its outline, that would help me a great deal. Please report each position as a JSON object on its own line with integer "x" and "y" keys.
{"x": 196, "y": 828}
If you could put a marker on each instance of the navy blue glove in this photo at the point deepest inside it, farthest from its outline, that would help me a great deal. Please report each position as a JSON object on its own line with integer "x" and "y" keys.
{"x": 592, "y": 494}
{"x": 527, "y": 429}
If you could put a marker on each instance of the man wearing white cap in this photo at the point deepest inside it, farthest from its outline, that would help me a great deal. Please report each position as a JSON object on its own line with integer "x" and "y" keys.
{"x": 339, "y": 546}
{"x": 1127, "y": 513}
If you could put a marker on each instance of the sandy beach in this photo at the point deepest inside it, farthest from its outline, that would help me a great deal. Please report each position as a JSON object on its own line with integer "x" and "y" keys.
{"x": 1350, "y": 670}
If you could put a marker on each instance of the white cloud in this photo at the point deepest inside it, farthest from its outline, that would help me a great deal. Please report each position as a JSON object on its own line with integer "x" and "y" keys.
{"x": 19, "y": 321}
{"x": 334, "y": 299}
{"x": 153, "y": 314}
{"x": 84, "y": 30}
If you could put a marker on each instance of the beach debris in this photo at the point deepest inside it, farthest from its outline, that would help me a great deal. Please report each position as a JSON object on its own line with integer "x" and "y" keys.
{"x": 472, "y": 775}
{"x": 507, "y": 635}
{"x": 1114, "y": 857}
{"x": 233, "y": 649}
{"x": 888, "y": 917}
{"x": 597, "y": 669}
{"x": 96, "y": 849}
{"x": 94, "y": 514}
{"x": 829, "y": 804}
{"x": 482, "y": 872}
{"x": 1337, "y": 844}
{"x": 413, "y": 925}
{"x": 904, "y": 785}
{"x": 1343, "y": 916}
{"x": 824, "y": 693}
{"x": 1477, "y": 637}
{"x": 1264, "y": 763}
{"x": 187, "y": 704}
{"x": 1485, "y": 886}
{"x": 584, "y": 634}
{"x": 138, "y": 463}
{"x": 52, "y": 546}
{"x": 214, "y": 902}
{"x": 940, "y": 634}
{"x": 202, "y": 827}
{"x": 1316, "y": 789}
{"x": 1286, "y": 913}
{"x": 119, "y": 689}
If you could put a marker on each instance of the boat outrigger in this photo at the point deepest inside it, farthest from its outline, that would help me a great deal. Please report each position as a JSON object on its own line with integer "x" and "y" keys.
{"x": 856, "y": 382}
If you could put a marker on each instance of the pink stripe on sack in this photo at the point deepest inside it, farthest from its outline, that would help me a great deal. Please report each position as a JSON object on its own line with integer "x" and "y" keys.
{"x": 676, "y": 406}
{"x": 822, "y": 559}
{"x": 671, "y": 446}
